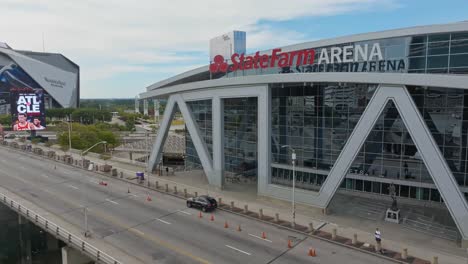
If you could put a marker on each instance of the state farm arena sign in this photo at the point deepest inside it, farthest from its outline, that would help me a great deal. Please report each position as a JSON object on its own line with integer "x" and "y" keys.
{"x": 352, "y": 58}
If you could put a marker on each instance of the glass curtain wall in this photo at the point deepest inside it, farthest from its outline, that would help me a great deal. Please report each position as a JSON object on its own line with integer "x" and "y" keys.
{"x": 201, "y": 112}
{"x": 317, "y": 120}
{"x": 240, "y": 138}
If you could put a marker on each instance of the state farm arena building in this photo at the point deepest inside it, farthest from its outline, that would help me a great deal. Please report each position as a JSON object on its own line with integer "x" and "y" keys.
{"x": 368, "y": 111}
{"x": 57, "y": 75}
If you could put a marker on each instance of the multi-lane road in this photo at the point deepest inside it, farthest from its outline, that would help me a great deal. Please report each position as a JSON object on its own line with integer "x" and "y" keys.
{"x": 163, "y": 230}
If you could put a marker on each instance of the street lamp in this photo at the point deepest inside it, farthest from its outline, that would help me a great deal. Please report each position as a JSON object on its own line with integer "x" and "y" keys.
{"x": 86, "y": 232}
{"x": 293, "y": 157}
{"x": 69, "y": 133}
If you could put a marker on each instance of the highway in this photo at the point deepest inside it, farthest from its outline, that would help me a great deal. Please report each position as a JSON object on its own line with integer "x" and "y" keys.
{"x": 163, "y": 230}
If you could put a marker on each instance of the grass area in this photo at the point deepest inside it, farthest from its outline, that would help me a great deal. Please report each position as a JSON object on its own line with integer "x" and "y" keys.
{"x": 177, "y": 122}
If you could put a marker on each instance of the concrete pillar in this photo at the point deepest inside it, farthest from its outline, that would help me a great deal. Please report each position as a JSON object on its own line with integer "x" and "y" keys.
{"x": 175, "y": 189}
{"x": 354, "y": 241}
{"x": 246, "y": 208}
{"x": 137, "y": 105}
{"x": 131, "y": 155}
{"x": 196, "y": 194}
{"x": 220, "y": 201}
{"x": 260, "y": 213}
{"x": 167, "y": 187}
{"x": 333, "y": 233}
{"x": 404, "y": 253}
{"x": 311, "y": 227}
{"x": 277, "y": 217}
{"x": 73, "y": 256}
{"x": 218, "y": 142}
{"x": 232, "y": 205}
{"x": 156, "y": 185}
{"x": 156, "y": 111}
{"x": 145, "y": 107}
{"x": 185, "y": 193}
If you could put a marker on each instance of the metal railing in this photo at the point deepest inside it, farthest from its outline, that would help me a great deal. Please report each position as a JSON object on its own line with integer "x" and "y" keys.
{"x": 60, "y": 233}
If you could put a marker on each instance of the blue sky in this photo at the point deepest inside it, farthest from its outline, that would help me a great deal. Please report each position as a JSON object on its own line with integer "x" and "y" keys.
{"x": 122, "y": 47}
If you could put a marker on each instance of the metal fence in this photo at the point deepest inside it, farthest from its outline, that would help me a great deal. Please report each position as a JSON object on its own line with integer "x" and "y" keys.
{"x": 59, "y": 232}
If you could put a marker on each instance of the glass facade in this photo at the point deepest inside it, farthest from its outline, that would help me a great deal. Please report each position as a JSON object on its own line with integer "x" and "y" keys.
{"x": 433, "y": 53}
{"x": 317, "y": 119}
{"x": 201, "y": 112}
{"x": 240, "y": 137}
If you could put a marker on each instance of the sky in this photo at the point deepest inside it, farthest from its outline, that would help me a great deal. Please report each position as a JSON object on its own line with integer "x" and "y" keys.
{"x": 124, "y": 46}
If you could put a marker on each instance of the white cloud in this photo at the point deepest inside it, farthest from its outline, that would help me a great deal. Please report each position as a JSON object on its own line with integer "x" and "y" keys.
{"x": 109, "y": 33}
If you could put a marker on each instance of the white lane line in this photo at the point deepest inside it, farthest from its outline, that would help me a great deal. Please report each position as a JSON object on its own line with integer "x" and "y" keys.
{"x": 110, "y": 201}
{"x": 74, "y": 187}
{"x": 138, "y": 231}
{"x": 187, "y": 213}
{"x": 264, "y": 239}
{"x": 93, "y": 181}
{"x": 134, "y": 195}
{"x": 44, "y": 175}
{"x": 162, "y": 221}
{"x": 231, "y": 247}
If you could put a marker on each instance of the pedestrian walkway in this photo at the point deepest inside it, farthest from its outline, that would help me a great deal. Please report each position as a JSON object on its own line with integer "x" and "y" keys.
{"x": 394, "y": 237}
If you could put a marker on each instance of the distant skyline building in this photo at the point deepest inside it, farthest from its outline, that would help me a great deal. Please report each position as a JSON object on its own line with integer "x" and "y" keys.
{"x": 228, "y": 44}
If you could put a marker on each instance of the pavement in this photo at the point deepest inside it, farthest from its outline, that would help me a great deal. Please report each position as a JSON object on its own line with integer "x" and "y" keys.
{"x": 162, "y": 230}
{"x": 395, "y": 238}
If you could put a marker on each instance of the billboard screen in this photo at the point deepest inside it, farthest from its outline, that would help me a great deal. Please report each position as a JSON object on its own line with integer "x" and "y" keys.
{"x": 27, "y": 109}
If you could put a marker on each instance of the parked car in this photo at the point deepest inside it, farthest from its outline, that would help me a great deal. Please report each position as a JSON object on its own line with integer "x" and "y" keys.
{"x": 203, "y": 202}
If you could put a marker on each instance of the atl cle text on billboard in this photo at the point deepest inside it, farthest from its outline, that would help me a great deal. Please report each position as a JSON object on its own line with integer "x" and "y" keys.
{"x": 333, "y": 55}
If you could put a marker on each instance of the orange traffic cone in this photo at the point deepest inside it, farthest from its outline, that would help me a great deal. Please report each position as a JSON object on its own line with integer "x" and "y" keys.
{"x": 263, "y": 235}
{"x": 200, "y": 215}
{"x": 148, "y": 198}
{"x": 239, "y": 228}
{"x": 289, "y": 243}
{"x": 312, "y": 252}
{"x": 226, "y": 224}
{"x": 212, "y": 217}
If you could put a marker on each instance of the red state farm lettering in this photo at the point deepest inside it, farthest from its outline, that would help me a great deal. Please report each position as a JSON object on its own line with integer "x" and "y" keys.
{"x": 256, "y": 61}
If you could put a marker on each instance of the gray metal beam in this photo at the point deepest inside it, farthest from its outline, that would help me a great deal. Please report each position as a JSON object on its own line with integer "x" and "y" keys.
{"x": 218, "y": 141}
{"x": 162, "y": 134}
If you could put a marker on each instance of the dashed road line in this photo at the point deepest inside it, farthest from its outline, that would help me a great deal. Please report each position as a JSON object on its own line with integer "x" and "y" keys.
{"x": 110, "y": 201}
{"x": 162, "y": 221}
{"x": 74, "y": 187}
{"x": 252, "y": 235}
{"x": 187, "y": 213}
{"x": 241, "y": 251}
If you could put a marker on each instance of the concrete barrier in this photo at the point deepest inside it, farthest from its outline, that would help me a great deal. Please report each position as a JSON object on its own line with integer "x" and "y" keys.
{"x": 196, "y": 194}
{"x": 185, "y": 193}
{"x": 334, "y": 234}
{"x": 220, "y": 200}
{"x": 232, "y": 205}
{"x": 435, "y": 260}
{"x": 175, "y": 189}
{"x": 156, "y": 185}
{"x": 114, "y": 172}
{"x": 311, "y": 227}
{"x": 246, "y": 208}
{"x": 260, "y": 213}
{"x": 404, "y": 254}
{"x": 167, "y": 187}
{"x": 277, "y": 217}
{"x": 354, "y": 241}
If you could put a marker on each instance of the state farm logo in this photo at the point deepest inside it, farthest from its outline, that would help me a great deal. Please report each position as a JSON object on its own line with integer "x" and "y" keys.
{"x": 218, "y": 65}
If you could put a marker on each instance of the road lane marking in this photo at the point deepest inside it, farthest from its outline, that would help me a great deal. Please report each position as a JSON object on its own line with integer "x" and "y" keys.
{"x": 231, "y": 247}
{"x": 44, "y": 175}
{"x": 260, "y": 238}
{"x": 114, "y": 202}
{"x": 93, "y": 181}
{"x": 74, "y": 187}
{"x": 138, "y": 231}
{"x": 162, "y": 221}
{"x": 187, "y": 213}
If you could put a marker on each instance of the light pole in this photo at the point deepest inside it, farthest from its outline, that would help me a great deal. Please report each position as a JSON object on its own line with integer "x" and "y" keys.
{"x": 293, "y": 157}
{"x": 86, "y": 231}
{"x": 69, "y": 133}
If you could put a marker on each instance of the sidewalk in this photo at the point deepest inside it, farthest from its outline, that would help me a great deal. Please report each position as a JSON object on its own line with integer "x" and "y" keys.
{"x": 394, "y": 236}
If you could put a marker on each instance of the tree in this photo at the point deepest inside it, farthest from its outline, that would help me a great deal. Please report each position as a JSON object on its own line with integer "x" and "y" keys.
{"x": 85, "y": 136}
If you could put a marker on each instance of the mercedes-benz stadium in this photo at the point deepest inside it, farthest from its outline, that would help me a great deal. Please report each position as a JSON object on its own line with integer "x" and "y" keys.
{"x": 57, "y": 75}
{"x": 361, "y": 113}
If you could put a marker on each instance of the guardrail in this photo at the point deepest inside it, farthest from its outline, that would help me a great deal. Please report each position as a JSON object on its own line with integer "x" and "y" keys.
{"x": 59, "y": 232}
